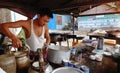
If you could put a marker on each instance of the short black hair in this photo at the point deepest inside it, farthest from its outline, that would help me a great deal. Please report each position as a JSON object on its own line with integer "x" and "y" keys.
{"x": 44, "y": 11}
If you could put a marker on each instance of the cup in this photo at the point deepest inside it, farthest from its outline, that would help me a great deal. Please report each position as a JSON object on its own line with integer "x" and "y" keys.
{"x": 99, "y": 57}
{"x": 70, "y": 64}
{"x": 65, "y": 62}
{"x": 117, "y": 46}
{"x": 92, "y": 57}
{"x": 85, "y": 69}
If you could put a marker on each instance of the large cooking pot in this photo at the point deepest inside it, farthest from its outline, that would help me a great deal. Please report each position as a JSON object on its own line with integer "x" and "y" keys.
{"x": 67, "y": 70}
{"x": 56, "y": 54}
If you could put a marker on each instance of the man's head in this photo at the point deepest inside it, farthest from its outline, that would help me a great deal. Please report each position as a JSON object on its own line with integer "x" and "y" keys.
{"x": 45, "y": 11}
{"x": 44, "y": 15}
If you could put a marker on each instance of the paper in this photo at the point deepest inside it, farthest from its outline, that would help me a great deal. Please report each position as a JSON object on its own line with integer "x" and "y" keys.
{"x": 2, "y": 71}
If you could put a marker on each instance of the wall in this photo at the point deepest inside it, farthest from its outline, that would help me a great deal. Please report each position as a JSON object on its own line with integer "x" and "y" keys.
{"x": 5, "y": 15}
{"x": 109, "y": 20}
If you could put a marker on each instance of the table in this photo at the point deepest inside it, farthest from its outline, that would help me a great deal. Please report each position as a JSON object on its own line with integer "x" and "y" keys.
{"x": 107, "y": 65}
{"x": 59, "y": 37}
{"x": 107, "y": 37}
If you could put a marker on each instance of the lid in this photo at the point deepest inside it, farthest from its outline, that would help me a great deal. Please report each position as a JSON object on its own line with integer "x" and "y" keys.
{"x": 20, "y": 54}
{"x": 59, "y": 48}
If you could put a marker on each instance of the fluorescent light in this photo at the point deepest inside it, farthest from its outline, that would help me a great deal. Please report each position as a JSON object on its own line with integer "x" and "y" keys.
{"x": 99, "y": 16}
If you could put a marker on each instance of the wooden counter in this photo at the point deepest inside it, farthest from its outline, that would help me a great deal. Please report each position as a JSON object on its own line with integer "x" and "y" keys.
{"x": 107, "y": 65}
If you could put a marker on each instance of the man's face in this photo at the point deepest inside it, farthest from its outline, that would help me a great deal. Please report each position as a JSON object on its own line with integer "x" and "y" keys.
{"x": 42, "y": 20}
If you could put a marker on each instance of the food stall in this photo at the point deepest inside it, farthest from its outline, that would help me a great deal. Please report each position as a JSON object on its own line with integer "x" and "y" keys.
{"x": 19, "y": 62}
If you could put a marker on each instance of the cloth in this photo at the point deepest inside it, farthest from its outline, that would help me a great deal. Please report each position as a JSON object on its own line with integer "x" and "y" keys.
{"x": 34, "y": 41}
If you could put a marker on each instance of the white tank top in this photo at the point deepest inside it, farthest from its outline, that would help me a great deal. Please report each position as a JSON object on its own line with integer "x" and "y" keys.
{"x": 34, "y": 41}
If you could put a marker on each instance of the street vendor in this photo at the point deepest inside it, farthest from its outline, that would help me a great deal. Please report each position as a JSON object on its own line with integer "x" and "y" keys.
{"x": 36, "y": 31}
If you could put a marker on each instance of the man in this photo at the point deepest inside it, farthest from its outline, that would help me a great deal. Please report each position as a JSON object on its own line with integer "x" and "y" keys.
{"x": 35, "y": 30}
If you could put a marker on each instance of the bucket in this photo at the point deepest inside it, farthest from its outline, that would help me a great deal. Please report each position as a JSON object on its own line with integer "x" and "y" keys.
{"x": 8, "y": 63}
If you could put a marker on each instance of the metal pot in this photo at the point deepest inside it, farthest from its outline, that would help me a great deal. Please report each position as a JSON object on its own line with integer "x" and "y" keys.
{"x": 35, "y": 68}
{"x": 22, "y": 60}
{"x": 67, "y": 70}
{"x": 56, "y": 54}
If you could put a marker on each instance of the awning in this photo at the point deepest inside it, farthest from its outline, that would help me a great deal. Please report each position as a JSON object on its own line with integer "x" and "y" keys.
{"x": 27, "y": 7}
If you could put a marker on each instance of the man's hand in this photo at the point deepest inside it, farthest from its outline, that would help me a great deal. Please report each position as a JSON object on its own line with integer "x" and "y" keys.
{"x": 16, "y": 42}
{"x": 46, "y": 45}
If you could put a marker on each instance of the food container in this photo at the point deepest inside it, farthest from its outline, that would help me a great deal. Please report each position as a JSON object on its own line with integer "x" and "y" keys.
{"x": 56, "y": 54}
{"x": 67, "y": 70}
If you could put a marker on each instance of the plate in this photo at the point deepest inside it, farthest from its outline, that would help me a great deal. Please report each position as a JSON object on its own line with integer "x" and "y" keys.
{"x": 107, "y": 53}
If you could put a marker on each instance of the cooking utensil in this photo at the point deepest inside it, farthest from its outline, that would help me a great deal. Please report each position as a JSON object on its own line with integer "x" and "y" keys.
{"x": 58, "y": 53}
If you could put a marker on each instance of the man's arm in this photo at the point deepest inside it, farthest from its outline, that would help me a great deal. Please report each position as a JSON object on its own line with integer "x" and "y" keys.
{"x": 5, "y": 29}
{"x": 47, "y": 34}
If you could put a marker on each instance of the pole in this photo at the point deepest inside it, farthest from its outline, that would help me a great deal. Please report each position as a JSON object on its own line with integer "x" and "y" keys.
{"x": 73, "y": 28}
